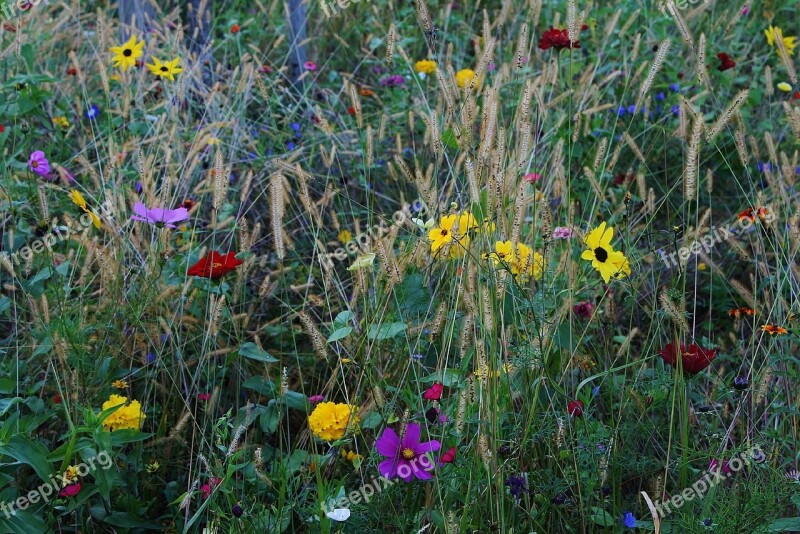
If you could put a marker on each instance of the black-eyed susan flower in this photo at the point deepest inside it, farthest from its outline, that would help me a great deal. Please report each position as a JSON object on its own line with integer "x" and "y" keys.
{"x": 443, "y": 234}
{"x": 608, "y": 262}
{"x": 167, "y": 69}
{"x": 126, "y": 54}
{"x": 773, "y": 329}
{"x": 774, "y": 34}
{"x": 79, "y": 201}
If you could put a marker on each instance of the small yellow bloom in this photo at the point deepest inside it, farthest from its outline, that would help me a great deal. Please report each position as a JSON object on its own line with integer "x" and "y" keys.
{"x": 61, "y": 121}
{"x": 214, "y": 141}
{"x": 350, "y": 456}
{"x": 775, "y": 34}
{"x": 783, "y": 86}
{"x": 344, "y": 236}
{"x": 153, "y": 466}
{"x": 701, "y": 266}
{"x": 79, "y": 201}
{"x": 166, "y": 69}
{"x": 346, "y": 360}
{"x": 464, "y": 77}
{"x": 120, "y": 384}
{"x": 126, "y": 54}
{"x": 425, "y": 66}
{"x": 71, "y": 474}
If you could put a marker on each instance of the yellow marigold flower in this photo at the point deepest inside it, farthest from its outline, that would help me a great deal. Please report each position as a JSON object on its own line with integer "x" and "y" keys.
{"x": 126, "y": 54}
{"x": 128, "y": 415}
{"x": 61, "y": 121}
{"x": 425, "y": 66}
{"x": 775, "y": 34}
{"x": 604, "y": 258}
{"x": 464, "y": 77}
{"x": 120, "y": 384}
{"x": 166, "y": 69}
{"x": 344, "y": 236}
{"x": 330, "y": 421}
{"x": 785, "y": 87}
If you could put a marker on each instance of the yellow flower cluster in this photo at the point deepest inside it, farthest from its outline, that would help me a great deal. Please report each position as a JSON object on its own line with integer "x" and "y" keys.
{"x": 330, "y": 420}
{"x": 523, "y": 263}
{"x": 774, "y": 34}
{"x": 426, "y": 66}
{"x": 129, "y": 415}
{"x": 450, "y": 237}
{"x": 464, "y": 78}
{"x": 350, "y": 456}
{"x": 61, "y": 122}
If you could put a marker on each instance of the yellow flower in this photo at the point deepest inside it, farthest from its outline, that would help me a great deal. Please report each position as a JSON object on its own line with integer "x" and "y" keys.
{"x": 701, "y": 266}
{"x": 128, "y": 415}
{"x": 350, "y": 456}
{"x": 166, "y": 69}
{"x": 783, "y": 86}
{"x": 153, "y": 466}
{"x": 442, "y": 234}
{"x": 775, "y": 34}
{"x": 344, "y": 236}
{"x": 330, "y": 421}
{"x": 464, "y": 77}
{"x": 61, "y": 121}
{"x": 426, "y": 66}
{"x": 503, "y": 252}
{"x": 71, "y": 474}
{"x": 120, "y": 384}
{"x": 214, "y": 141}
{"x": 528, "y": 262}
{"x": 79, "y": 201}
{"x": 604, "y": 258}
{"x": 126, "y": 54}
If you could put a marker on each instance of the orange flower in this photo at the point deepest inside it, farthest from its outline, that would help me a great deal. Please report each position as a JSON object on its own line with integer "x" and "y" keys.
{"x": 235, "y": 28}
{"x": 366, "y": 92}
{"x": 747, "y": 214}
{"x": 738, "y": 312}
{"x": 773, "y": 329}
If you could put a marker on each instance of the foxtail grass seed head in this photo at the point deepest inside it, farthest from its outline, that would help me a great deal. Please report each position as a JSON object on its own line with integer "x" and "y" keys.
{"x": 390, "y": 40}
{"x": 317, "y": 339}
{"x": 722, "y": 121}
{"x": 276, "y": 203}
{"x": 655, "y": 68}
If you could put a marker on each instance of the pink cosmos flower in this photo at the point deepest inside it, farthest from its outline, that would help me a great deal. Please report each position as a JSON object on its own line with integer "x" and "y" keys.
{"x": 533, "y": 177}
{"x": 562, "y": 232}
{"x": 310, "y": 65}
{"x": 159, "y": 216}
{"x": 406, "y": 456}
{"x": 38, "y": 163}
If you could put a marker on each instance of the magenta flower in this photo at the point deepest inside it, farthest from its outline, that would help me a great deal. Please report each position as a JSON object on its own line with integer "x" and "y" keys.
{"x": 38, "y": 163}
{"x": 562, "y": 232}
{"x": 407, "y": 457}
{"x": 70, "y": 490}
{"x": 313, "y": 399}
{"x": 159, "y": 216}
{"x": 533, "y": 177}
{"x": 310, "y": 65}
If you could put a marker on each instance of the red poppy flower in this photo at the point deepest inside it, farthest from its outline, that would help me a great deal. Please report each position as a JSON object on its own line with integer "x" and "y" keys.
{"x": 72, "y": 71}
{"x": 693, "y": 358}
{"x": 448, "y": 457}
{"x": 351, "y": 110}
{"x": 434, "y": 392}
{"x": 56, "y": 399}
{"x": 725, "y": 62}
{"x": 575, "y": 408}
{"x": 558, "y": 39}
{"x": 215, "y": 265}
{"x": 70, "y": 490}
{"x": 235, "y": 28}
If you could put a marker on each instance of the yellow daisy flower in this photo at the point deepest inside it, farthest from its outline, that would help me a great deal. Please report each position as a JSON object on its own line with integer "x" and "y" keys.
{"x": 79, "y": 201}
{"x": 775, "y": 34}
{"x": 442, "y": 234}
{"x": 425, "y": 66}
{"x": 166, "y": 69}
{"x": 604, "y": 258}
{"x": 120, "y": 384}
{"x": 344, "y": 236}
{"x": 126, "y": 54}
{"x": 464, "y": 77}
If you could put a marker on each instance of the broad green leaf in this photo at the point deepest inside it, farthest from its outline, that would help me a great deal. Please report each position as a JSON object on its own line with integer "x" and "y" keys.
{"x": 340, "y": 333}
{"x": 251, "y": 350}
{"x": 601, "y": 517}
{"x": 28, "y": 452}
{"x": 385, "y": 331}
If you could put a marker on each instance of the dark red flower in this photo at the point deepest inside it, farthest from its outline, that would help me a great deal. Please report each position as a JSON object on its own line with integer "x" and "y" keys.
{"x": 575, "y": 408}
{"x": 620, "y": 179}
{"x": 448, "y": 457}
{"x": 203, "y": 396}
{"x": 56, "y": 399}
{"x": 693, "y": 358}
{"x": 558, "y": 39}
{"x": 583, "y": 309}
{"x": 725, "y": 62}
{"x": 434, "y": 392}
{"x": 235, "y": 28}
{"x": 2, "y": 128}
{"x": 796, "y": 96}
{"x": 188, "y": 204}
{"x": 72, "y": 71}
{"x": 351, "y": 110}
{"x": 215, "y": 265}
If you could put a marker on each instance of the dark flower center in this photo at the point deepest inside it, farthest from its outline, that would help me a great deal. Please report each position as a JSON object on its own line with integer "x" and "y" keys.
{"x": 444, "y": 233}
{"x": 601, "y": 254}
{"x": 164, "y": 69}
{"x": 35, "y": 164}
{"x": 127, "y": 52}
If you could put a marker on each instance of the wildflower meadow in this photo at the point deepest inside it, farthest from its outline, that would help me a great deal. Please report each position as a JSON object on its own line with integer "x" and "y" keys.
{"x": 427, "y": 266}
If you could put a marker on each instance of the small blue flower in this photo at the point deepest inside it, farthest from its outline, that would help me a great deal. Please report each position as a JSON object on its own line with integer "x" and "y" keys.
{"x": 661, "y": 96}
{"x": 290, "y": 145}
{"x": 764, "y": 166}
{"x": 628, "y": 520}
{"x": 676, "y": 110}
{"x": 417, "y": 356}
{"x": 416, "y": 206}
{"x": 92, "y": 112}
{"x": 675, "y": 87}
{"x": 632, "y": 109}
{"x": 295, "y": 126}
{"x": 151, "y": 357}
{"x": 621, "y": 111}
{"x": 595, "y": 391}
{"x": 138, "y": 187}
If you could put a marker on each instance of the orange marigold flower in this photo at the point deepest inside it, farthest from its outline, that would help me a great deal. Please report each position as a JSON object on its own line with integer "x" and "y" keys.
{"x": 773, "y": 329}
{"x": 366, "y": 92}
{"x": 738, "y": 312}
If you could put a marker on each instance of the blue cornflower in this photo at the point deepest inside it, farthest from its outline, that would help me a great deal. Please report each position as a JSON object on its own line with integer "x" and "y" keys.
{"x": 290, "y": 145}
{"x": 764, "y": 166}
{"x": 676, "y": 110}
{"x": 92, "y": 112}
{"x": 151, "y": 357}
{"x": 628, "y": 520}
{"x": 632, "y": 109}
{"x": 675, "y": 87}
{"x": 661, "y": 96}
{"x": 295, "y": 126}
{"x": 621, "y": 111}
{"x": 516, "y": 485}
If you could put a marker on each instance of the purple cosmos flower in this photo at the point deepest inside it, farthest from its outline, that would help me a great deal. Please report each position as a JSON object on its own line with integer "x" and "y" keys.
{"x": 532, "y": 177}
{"x": 561, "y": 232}
{"x": 394, "y": 80}
{"x": 406, "y": 457}
{"x": 159, "y": 216}
{"x": 38, "y": 163}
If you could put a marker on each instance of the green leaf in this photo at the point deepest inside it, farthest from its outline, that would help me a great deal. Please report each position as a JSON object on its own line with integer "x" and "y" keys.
{"x": 448, "y": 378}
{"x": 343, "y": 318}
{"x": 787, "y": 524}
{"x": 340, "y": 333}
{"x": 263, "y": 385}
{"x": 385, "y": 331}
{"x": 601, "y": 517}
{"x": 128, "y": 435}
{"x": 371, "y": 421}
{"x": 449, "y": 139}
{"x": 270, "y": 419}
{"x": 251, "y": 350}
{"x": 28, "y": 452}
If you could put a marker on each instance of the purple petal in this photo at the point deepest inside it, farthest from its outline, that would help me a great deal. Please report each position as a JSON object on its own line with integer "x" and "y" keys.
{"x": 180, "y": 214}
{"x": 422, "y": 474}
{"x": 157, "y": 214}
{"x": 388, "y": 467}
{"x": 140, "y": 210}
{"x": 389, "y": 443}
{"x": 411, "y": 439}
{"x": 408, "y": 469}
{"x": 428, "y": 446}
